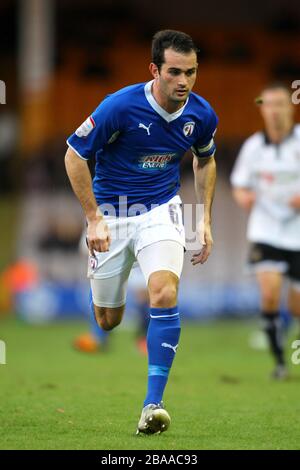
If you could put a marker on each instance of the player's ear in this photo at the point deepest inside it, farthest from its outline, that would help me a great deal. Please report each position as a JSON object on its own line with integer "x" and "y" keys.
{"x": 154, "y": 70}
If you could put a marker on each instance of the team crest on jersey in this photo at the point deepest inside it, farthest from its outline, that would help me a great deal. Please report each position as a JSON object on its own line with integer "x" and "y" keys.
{"x": 86, "y": 127}
{"x": 188, "y": 128}
{"x": 93, "y": 262}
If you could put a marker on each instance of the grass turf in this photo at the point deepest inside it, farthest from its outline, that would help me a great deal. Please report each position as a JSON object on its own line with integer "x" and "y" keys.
{"x": 219, "y": 394}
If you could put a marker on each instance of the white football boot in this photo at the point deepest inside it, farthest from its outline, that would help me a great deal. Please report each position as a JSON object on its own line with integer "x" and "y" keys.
{"x": 280, "y": 372}
{"x": 154, "y": 420}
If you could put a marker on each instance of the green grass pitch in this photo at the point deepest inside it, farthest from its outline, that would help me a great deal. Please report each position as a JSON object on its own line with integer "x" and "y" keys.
{"x": 219, "y": 394}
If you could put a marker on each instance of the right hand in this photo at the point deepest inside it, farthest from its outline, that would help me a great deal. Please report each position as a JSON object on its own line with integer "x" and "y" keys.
{"x": 294, "y": 202}
{"x": 207, "y": 243}
{"x": 98, "y": 236}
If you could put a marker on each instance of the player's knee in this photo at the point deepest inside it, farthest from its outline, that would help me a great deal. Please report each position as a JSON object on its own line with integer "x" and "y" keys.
{"x": 108, "y": 319}
{"x": 163, "y": 295}
{"x": 111, "y": 323}
{"x": 101, "y": 318}
{"x": 270, "y": 300}
{"x": 105, "y": 325}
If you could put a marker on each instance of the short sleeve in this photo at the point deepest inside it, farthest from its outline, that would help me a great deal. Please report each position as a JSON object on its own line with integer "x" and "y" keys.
{"x": 242, "y": 173}
{"x": 205, "y": 145}
{"x": 98, "y": 130}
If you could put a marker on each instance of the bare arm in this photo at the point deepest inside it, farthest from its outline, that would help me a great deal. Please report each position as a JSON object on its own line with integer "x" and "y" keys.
{"x": 244, "y": 197}
{"x": 295, "y": 202}
{"x": 205, "y": 181}
{"x": 81, "y": 182}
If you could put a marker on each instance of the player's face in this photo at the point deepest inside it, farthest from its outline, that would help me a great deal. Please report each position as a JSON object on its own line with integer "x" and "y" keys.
{"x": 277, "y": 109}
{"x": 177, "y": 75}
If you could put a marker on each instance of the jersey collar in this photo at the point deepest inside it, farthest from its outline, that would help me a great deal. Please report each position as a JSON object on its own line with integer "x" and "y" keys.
{"x": 268, "y": 141}
{"x": 162, "y": 112}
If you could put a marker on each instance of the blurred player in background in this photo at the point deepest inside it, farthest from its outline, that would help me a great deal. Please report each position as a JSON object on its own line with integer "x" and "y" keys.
{"x": 266, "y": 182}
{"x": 97, "y": 339}
{"x": 139, "y": 135}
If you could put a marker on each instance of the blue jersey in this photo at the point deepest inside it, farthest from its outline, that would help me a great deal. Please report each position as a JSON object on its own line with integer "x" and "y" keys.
{"x": 138, "y": 145}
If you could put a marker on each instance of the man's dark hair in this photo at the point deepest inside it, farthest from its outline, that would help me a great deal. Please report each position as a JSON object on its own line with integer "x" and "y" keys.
{"x": 273, "y": 86}
{"x": 168, "y": 38}
{"x": 277, "y": 85}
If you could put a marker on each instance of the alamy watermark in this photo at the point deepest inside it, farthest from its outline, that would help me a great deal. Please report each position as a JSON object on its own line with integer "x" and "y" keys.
{"x": 156, "y": 217}
{"x": 296, "y": 94}
{"x": 2, "y": 352}
{"x": 296, "y": 354}
{"x": 2, "y": 92}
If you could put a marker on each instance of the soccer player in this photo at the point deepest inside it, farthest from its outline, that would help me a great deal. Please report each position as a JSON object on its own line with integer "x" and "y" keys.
{"x": 266, "y": 182}
{"x": 139, "y": 135}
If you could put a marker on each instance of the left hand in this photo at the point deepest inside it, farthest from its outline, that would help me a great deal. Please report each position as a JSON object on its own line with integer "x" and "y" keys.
{"x": 202, "y": 256}
{"x": 294, "y": 202}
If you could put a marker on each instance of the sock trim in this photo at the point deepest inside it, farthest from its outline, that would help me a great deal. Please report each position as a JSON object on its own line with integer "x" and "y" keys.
{"x": 163, "y": 310}
{"x": 158, "y": 370}
{"x": 164, "y": 316}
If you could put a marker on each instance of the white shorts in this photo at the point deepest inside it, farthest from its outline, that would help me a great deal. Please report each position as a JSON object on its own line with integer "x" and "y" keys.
{"x": 160, "y": 230}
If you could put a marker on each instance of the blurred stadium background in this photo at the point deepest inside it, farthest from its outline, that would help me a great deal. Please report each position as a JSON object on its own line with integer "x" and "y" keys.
{"x": 59, "y": 58}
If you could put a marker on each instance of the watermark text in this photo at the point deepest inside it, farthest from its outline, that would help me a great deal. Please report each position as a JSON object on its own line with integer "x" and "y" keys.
{"x": 2, "y": 352}
{"x": 296, "y": 354}
{"x": 296, "y": 94}
{"x": 2, "y": 92}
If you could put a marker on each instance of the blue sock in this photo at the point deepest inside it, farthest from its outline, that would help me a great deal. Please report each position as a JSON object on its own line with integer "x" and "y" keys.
{"x": 144, "y": 318}
{"x": 99, "y": 334}
{"x": 162, "y": 341}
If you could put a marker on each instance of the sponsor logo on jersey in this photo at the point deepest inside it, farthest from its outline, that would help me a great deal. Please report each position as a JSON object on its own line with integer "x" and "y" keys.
{"x": 188, "y": 128}
{"x": 280, "y": 177}
{"x": 86, "y": 127}
{"x": 155, "y": 161}
{"x": 267, "y": 177}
